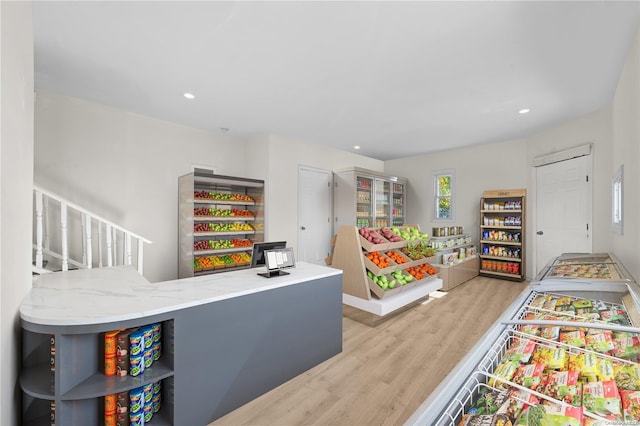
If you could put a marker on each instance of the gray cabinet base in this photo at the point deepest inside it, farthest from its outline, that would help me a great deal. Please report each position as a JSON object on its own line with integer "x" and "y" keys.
{"x": 232, "y": 351}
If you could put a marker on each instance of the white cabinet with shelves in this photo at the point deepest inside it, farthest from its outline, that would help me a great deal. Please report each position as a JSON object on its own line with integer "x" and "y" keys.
{"x": 366, "y": 198}
{"x": 502, "y": 234}
{"x": 220, "y": 219}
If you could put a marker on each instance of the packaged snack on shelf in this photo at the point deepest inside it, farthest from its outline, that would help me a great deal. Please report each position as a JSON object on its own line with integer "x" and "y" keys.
{"x": 603, "y": 399}
{"x": 505, "y": 370}
{"x": 521, "y": 350}
{"x": 490, "y": 401}
{"x": 630, "y": 405}
{"x": 518, "y": 401}
{"x": 605, "y": 370}
{"x": 627, "y": 376}
{"x": 529, "y": 375}
{"x": 601, "y": 341}
{"x": 573, "y": 338}
{"x": 626, "y": 346}
{"x": 550, "y": 415}
{"x": 485, "y": 420}
{"x": 564, "y": 386}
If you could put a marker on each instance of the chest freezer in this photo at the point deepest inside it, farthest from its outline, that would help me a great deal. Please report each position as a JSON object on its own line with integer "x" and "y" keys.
{"x": 566, "y": 352}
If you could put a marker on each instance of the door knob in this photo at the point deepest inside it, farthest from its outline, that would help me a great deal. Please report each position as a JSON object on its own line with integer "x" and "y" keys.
{"x": 302, "y": 228}
{"x": 540, "y": 233}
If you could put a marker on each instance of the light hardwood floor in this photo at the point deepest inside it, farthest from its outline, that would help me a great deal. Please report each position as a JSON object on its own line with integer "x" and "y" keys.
{"x": 384, "y": 373}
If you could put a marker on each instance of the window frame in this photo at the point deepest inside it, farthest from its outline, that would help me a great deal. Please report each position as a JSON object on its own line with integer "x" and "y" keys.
{"x": 436, "y": 175}
{"x": 617, "y": 201}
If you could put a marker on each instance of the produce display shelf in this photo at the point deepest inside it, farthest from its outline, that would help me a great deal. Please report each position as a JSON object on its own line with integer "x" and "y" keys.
{"x": 385, "y": 306}
{"x": 502, "y": 243}
{"x": 223, "y": 218}
{"x": 220, "y": 251}
{"x": 224, "y": 202}
{"x": 510, "y": 259}
{"x": 222, "y": 233}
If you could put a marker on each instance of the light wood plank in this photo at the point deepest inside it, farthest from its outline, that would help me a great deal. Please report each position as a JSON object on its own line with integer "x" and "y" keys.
{"x": 384, "y": 373}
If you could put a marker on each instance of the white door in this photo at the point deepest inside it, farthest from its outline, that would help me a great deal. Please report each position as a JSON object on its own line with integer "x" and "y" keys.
{"x": 315, "y": 209}
{"x": 563, "y": 209}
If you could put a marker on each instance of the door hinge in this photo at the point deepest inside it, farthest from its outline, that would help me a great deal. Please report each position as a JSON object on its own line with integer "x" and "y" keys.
{"x": 329, "y": 184}
{"x": 587, "y": 226}
{"x": 587, "y": 178}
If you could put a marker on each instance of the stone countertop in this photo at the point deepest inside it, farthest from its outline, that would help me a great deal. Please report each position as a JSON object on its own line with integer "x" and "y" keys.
{"x": 120, "y": 293}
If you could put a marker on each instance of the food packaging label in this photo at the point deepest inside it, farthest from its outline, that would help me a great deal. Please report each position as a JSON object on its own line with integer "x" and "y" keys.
{"x": 603, "y": 399}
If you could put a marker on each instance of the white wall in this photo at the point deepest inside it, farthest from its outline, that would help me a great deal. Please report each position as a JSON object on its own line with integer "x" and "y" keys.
{"x": 125, "y": 167}
{"x": 477, "y": 168}
{"x": 593, "y": 128}
{"x": 284, "y": 157}
{"x": 626, "y": 150}
{"x": 16, "y": 183}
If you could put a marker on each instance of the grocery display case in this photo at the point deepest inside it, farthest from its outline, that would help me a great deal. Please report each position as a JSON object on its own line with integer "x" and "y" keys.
{"x": 565, "y": 352}
{"x": 456, "y": 257}
{"x": 502, "y": 234}
{"x": 220, "y": 217}
{"x": 370, "y": 262}
{"x": 366, "y": 198}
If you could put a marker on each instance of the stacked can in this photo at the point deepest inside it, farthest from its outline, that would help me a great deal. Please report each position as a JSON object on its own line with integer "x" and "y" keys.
{"x": 52, "y": 411}
{"x": 122, "y": 409}
{"x": 122, "y": 353}
{"x": 136, "y": 407}
{"x": 136, "y": 352}
{"x": 52, "y": 361}
{"x": 110, "y": 352}
{"x": 156, "y": 399}
{"x": 110, "y": 410}
{"x": 148, "y": 345}
{"x": 157, "y": 339}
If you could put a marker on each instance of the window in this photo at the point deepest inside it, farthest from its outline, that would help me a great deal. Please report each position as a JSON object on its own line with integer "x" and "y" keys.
{"x": 443, "y": 190}
{"x": 616, "y": 202}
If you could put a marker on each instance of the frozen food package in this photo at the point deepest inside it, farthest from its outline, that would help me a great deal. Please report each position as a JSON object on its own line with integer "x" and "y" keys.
{"x": 603, "y": 399}
{"x": 490, "y": 401}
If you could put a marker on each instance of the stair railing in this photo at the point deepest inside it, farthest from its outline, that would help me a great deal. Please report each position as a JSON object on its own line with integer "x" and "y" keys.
{"x": 107, "y": 243}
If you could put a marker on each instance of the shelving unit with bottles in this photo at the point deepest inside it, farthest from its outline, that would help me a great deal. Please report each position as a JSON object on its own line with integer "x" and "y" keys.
{"x": 351, "y": 255}
{"x": 366, "y": 198}
{"x": 502, "y": 234}
{"x": 220, "y": 217}
{"x": 457, "y": 258}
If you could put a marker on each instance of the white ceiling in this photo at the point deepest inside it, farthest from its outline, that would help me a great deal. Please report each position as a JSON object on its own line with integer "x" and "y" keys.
{"x": 397, "y": 78}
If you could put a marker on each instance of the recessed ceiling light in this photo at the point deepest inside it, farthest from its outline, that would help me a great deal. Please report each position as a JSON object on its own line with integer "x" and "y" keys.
{"x": 356, "y": 147}
{"x": 189, "y": 95}
{"x": 524, "y": 111}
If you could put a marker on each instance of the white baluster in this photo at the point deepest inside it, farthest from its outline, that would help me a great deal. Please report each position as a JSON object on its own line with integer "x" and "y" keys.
{"x": 127, "y": 240}
{"x": 99, "y": 244}
{"x": 39, "y": 229}
{"x": 140, "y": 254}
{"x": 109, "y": 246}
{"x": 45, "y": 213}
{"x": 115, "y": 245}
{"x": 63, "y": 237}
{"x": 82, "y": 241}
{"x": 89, "y": 260}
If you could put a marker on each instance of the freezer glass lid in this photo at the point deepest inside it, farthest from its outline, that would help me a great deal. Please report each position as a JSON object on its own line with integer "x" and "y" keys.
{"x": 598, "y": 266}
{"x": 583, "y": 259}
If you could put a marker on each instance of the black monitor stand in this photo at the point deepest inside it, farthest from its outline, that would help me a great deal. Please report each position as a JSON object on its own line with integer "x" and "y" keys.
{"x": 274, "y": 273}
